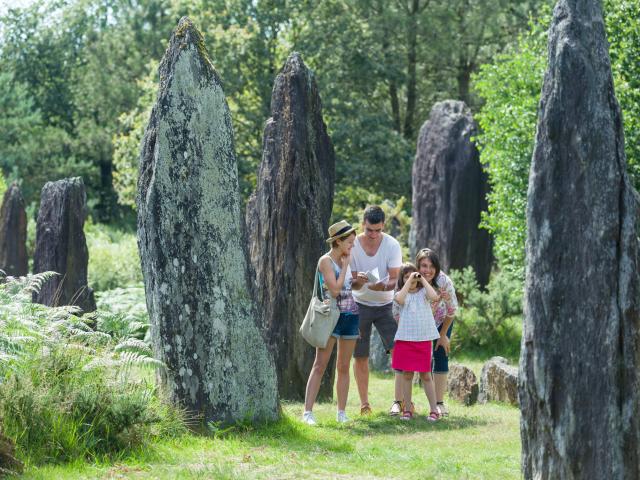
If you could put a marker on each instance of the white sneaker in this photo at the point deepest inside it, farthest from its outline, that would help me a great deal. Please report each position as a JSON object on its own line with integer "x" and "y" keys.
{"x": 341, "y": 417}
{"x": 308, "y": 418}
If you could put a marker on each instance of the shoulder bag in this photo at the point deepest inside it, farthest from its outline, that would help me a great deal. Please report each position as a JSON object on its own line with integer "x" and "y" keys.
{"x": 321, "y": 318}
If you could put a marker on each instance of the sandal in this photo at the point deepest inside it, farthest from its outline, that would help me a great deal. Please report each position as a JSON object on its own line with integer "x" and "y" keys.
{"x": 406, "y": 416}
{"x": 412, "y": 409}
{"x": 442, "y": 410}
{"x": 433, "y": 417}
{"x": 365, "y": 409}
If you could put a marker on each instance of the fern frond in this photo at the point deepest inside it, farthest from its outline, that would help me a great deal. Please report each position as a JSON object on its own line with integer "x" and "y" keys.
{"x": 134, "y": 359}
{"x": 35, "y": 282}
{"x": 134, "y": 345}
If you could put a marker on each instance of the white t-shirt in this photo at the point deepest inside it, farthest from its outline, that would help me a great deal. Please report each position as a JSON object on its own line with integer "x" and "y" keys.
{"x": 389, "y": 255}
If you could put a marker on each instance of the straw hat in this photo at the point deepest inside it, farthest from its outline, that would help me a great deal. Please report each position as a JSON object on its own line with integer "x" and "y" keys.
{"x": 339, "y": 230}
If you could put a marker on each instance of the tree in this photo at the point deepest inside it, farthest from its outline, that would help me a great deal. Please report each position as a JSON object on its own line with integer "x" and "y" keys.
{"x": 510, "y": 88}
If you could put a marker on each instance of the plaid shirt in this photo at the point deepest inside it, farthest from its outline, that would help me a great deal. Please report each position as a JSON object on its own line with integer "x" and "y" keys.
{"x": 416, "y": 323}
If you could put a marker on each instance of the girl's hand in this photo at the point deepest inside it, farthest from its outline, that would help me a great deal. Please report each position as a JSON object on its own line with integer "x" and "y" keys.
{"x": 346, "y": 260}
{"x": 444, "y": 294}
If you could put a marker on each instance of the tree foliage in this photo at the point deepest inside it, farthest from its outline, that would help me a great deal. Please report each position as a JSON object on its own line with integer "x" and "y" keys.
{"x": 84, "y": 67}
{"x": 510, "y": 88}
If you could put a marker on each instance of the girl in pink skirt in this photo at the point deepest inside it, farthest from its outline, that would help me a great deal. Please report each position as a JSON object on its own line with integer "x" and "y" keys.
{"x": 416, "y": 329}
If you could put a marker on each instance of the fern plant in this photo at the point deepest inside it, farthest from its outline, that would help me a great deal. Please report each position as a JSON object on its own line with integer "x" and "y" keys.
{"x": 73, "y": 386}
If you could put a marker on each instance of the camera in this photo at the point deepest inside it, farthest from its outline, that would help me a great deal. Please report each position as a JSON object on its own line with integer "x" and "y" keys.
{"x": 418, "y": 276}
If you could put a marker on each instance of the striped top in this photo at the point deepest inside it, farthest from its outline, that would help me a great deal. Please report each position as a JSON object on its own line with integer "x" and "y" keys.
{"x": 345, "y": 301}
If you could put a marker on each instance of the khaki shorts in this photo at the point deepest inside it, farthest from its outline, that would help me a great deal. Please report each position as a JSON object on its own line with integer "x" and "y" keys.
{"x": 383, "y": 320}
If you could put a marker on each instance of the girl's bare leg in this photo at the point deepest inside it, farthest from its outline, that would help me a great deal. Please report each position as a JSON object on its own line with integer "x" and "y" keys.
{"x": 315, "y": 377}
{"x": 345, "y": 351}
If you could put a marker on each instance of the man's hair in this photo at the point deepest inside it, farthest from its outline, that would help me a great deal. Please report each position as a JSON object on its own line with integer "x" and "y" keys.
{"x": 373, "y": 214}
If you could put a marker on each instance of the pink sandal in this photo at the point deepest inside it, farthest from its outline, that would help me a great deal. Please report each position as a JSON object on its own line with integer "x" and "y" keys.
{"x": 433, "y": 417}
{"x": 406, "y": 416}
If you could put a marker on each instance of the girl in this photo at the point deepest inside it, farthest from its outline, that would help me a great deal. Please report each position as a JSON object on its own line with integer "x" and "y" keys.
{"x": 444, "y": 310}
{"x": 416, "y": 330}
{"x": 335, "y": 278}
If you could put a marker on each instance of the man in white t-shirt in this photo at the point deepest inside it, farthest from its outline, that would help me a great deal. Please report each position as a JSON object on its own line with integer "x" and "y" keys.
{"x": 374, "y": 252}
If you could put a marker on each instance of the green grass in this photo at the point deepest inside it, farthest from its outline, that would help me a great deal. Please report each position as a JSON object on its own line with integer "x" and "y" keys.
{"x": 479, "y": 442}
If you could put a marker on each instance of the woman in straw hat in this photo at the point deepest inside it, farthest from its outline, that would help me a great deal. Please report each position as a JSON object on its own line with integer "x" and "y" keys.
{"x": 335, "y": 278}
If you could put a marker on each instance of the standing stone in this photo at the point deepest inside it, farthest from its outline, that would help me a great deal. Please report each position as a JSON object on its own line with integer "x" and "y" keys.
{"x": 192, "y": 245}
{"x": 449, "y": 191}
{"x": 579, "y": 386}
{"x": 13, "y": 233}
{"x": 379, "y": 359}
{"x": 61, "y": 246}
{"x": 288, "y": 218}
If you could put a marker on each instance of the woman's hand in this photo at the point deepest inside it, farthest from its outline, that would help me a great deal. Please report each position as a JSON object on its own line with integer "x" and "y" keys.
{"x": 444, "y": 342}
{"x": 345, "y": 261}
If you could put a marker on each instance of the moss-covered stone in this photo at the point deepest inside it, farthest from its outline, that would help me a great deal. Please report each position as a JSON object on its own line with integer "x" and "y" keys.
{"x": 191, "y": 239}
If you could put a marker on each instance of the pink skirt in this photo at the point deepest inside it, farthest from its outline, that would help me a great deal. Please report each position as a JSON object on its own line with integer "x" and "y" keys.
{"x": 411, "y": 356}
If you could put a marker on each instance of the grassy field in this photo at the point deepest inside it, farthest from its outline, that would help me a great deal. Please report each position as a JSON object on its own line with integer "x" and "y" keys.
{"x": 480, "y": 442}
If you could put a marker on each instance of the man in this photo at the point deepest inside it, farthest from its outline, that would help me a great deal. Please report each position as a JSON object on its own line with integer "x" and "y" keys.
{"x": 374, "y": 249}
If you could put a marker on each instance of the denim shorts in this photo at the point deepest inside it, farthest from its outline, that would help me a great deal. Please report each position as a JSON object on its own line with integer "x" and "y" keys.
{"x": 347, "y": 327}
{"x": 440, "y": 357}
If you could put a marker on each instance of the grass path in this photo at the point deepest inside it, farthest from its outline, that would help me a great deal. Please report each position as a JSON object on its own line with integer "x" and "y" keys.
{"x": 479, "y": 442}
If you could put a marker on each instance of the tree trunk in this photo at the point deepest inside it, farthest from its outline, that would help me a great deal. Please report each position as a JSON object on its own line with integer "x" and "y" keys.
{"x": 61, "y": 245}
{"x": 192, "y": 246}
{"x": 412, "y": 40}
{"x": 288, "y": 217}
{"x": 395, "y": 106}
{"x": 579, "y": 387}
{"x": 13, "y": 233}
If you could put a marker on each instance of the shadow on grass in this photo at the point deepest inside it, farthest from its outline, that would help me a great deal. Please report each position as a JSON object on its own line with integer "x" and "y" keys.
{"x": 332, "y": 437}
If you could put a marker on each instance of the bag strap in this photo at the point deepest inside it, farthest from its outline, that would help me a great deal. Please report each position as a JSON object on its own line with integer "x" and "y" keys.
{"x": 316, "y": 281}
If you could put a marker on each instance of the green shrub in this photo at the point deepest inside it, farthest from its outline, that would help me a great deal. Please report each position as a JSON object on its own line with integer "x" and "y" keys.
{"x": 113, "y": 257}
{"x": 488, "y": 322}
{"x": 68, "y": 391}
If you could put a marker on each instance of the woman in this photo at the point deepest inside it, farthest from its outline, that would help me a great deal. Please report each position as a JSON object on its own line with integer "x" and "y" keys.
{"x": 444, "y": 310}
{"x": 335, "y": 278}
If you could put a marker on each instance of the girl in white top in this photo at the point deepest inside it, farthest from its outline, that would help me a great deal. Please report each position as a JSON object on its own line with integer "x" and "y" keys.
{"x": 416, "y": 329}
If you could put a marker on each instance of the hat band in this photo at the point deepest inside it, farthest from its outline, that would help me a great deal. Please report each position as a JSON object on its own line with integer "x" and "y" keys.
{"x": 341, "y": 231}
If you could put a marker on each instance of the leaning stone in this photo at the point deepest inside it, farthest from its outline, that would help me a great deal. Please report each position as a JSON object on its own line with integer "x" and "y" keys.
{"x": 13, "y": 233}
{"x": 287, "y": 220}
{"x": 462, "y": 384}
{"x": 449, "y": 191}
{"x": 192, "y": 246}
{"x": 498, "y": 382}
{"x": 61, "y": 246}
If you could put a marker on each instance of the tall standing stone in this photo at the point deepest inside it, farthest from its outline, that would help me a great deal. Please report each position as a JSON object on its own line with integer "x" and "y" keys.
{"x": 578, "y": 384}
{"x": 192, "y": 245}
{"x": 449, "y": 191}
{"x": 287, "y": 219}
{"x": 13, "y": 233}
{"x": 61, "y": 245}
